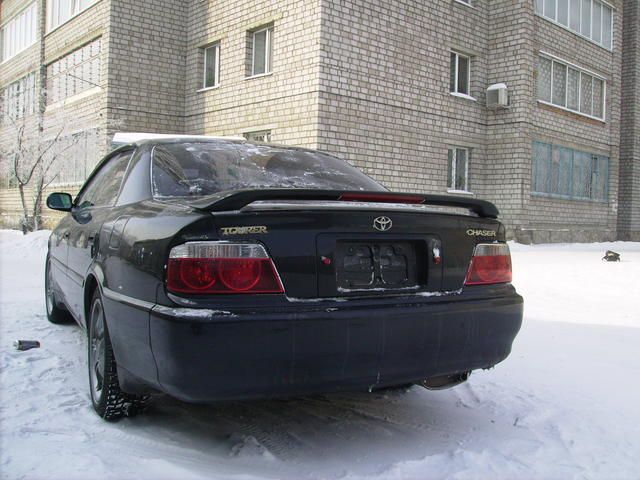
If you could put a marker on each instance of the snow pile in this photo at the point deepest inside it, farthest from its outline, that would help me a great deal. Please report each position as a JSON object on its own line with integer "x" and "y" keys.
{"x": 15, "y": 244}
{"x": 564, "y": 405}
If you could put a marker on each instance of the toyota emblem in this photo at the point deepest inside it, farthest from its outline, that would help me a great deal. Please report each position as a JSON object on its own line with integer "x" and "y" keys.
{"x": 382, "y": 224}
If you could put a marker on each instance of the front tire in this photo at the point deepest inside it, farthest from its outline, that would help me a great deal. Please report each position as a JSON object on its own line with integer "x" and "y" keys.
{"x": 108, "y": 400}
{"x": 55, "y": 314}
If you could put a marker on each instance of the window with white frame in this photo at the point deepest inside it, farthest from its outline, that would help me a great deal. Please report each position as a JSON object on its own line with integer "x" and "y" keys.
{"x": 19, "y": 99}
{"x": 592, "y": 19}
{"x": 566, "y": 86}
{"x": 211, "y": 66}
{"x": 258, "y": 136}
{"x": 74, "y": 73}
{"x": 458, "y": 169}
{"x": 19, "y": 33}
{"x": 460, "y": 73}
{"x": 261, "y": 51}
{"x": 59, "y": 11}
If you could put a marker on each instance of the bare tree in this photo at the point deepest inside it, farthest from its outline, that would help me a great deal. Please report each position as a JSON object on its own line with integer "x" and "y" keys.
{"x": 33, "y": 165}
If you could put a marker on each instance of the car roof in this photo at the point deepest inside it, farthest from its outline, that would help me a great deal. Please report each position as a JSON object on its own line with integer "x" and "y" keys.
{"x": 123, "y": 140}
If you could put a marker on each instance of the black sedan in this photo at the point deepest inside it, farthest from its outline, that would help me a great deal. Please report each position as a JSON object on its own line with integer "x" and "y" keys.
{"x": 216, "y": 269}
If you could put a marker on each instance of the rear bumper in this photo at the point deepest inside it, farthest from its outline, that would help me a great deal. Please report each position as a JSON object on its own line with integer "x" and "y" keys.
{"x": 203, "y": 356}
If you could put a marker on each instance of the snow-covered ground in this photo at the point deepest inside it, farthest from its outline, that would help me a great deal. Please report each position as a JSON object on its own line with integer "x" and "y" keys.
{"x": 565, "y": 405}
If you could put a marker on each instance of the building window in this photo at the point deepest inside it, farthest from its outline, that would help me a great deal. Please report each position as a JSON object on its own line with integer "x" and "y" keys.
{"x": 74, "y": 73}
{"x": 568, "y": 87}
{"x": 19, "y": 99}
{"x": 211, "y": 66}
{"x": 459, "y": 169}
{"x": 78, "y": 154}
{"x": 460, "y": 73}
{"x": 261, "y": 50}
{"x": 59, "y": 11}
{"x": 592, "y": 19}
{"x": 566, "y": 173}
{"x": 19, "y": 33}
{"x": 258, "y": 136}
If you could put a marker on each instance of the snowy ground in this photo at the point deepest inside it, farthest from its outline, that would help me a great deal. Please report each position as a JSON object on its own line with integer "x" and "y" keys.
{"x": 565, "y": 405}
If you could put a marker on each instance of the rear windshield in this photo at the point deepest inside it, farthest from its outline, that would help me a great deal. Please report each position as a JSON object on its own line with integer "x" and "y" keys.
{"x": 199, "y": 169}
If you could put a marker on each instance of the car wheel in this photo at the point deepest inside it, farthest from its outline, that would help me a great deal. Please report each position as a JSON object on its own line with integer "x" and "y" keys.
{"x": 55, "y": 314}
{"x": 108, "y": 400}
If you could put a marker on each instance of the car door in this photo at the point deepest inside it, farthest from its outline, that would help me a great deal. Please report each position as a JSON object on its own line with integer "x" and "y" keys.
{"x": 58, "y": 251}
{"x": 91, "y": 209}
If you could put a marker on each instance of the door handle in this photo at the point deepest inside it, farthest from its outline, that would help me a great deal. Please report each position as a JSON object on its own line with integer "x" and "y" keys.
{"x": 91, "y": 242}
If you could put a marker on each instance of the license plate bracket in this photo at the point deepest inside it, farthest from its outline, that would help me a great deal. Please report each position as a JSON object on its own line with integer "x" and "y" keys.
{"x": 375, "y": 265}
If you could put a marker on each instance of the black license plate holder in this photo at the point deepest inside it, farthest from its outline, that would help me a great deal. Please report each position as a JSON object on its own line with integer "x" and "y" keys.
{"x": 375, "y": 265}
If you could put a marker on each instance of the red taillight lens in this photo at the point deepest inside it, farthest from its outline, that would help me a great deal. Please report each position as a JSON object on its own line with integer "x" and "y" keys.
{"x": 221, "y": 268}
{"x": 491, "y": 263}
{"x": 239, "y": 274}
{"x": 196, "y": 273}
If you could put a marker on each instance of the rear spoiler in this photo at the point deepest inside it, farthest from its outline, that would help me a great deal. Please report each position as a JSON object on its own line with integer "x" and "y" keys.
{"x": 237, "y": 199}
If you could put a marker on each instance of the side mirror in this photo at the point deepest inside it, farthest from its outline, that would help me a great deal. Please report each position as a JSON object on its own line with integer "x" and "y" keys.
{"x": 60, "y": 201}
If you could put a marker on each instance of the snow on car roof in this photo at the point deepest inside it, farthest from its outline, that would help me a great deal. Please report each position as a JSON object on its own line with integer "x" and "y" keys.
{"x": 123, "y": 138}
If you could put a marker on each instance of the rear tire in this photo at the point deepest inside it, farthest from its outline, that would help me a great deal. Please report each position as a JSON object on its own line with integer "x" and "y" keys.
{"x": 55, "y": 314}
{"x": 108, "y": 400}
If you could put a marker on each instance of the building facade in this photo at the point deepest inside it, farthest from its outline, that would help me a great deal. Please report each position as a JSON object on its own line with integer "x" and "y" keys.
{"x": 629, "y": 217}
{"x": 528, "y": 103}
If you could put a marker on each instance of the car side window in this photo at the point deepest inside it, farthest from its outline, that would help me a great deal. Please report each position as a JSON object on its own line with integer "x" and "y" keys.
{"x": 104, "y": 187}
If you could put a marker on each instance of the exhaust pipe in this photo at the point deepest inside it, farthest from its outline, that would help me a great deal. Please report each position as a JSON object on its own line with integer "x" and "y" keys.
{"x": 443, "y": 382}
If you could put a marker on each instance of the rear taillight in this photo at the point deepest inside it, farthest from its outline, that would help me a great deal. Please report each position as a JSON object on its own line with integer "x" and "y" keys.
{"x": 221, "y": 268}
{"x": 491, "y": 263}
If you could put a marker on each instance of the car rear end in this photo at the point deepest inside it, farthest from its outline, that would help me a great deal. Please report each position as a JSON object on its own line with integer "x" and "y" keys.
{"x": 295, "y": 293}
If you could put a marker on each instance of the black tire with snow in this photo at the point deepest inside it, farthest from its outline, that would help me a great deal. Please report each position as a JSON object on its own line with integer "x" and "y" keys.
{"x": 55, "y": 313}
{"x": 109, "y": 401}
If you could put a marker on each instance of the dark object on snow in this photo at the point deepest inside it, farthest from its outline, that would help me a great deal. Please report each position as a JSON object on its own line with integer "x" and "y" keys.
{"x": 611, "y": 256}
{"x": 23, "y": 345}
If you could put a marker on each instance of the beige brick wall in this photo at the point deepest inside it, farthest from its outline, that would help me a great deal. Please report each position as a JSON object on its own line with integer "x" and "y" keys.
{"x": 146, "y": 73}
{"x": 386, "y": 106}
{"x": 286, "y": 101}
{"x": 629, "y": 209}
{"x": 568, "y": 220}
{"x": 11, "y": 205}
{"x": 365, "y": 79}
{"x": 385, "y": 101}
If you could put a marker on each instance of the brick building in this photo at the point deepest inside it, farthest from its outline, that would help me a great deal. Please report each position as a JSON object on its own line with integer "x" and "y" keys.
{"x": 399, "y": 89}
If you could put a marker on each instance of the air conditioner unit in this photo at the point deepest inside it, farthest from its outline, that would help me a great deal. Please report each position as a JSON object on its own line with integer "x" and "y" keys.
{"x": 498, "y": 96}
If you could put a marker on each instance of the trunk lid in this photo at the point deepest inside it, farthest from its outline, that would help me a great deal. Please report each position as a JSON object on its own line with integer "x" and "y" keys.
{"x": 338, "y": 249}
